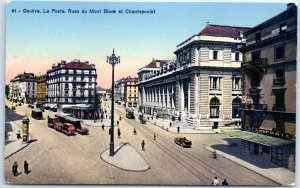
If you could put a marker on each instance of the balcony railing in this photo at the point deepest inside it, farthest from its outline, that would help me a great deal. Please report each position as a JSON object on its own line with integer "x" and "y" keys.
{"x": 279, "y": 81}
{"x": 277, "y": 107}
{"x": 250, "y": 106}
{"x": 255, "y": 65}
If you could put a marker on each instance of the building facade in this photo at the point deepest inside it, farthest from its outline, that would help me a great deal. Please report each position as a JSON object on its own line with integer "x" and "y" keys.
{"x": 120, "y": 90}
{"x": 71, "y": 83}
{"x": 42, "y": 91}
{"x": 131, "y": 92}
{"x": 269, "y": 82}
{"x": 203, "y": 85}
{"x": 23, "y": 88}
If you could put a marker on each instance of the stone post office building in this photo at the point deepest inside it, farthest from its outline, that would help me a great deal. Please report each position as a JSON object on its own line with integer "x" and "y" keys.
{"x": 203, "y": 84}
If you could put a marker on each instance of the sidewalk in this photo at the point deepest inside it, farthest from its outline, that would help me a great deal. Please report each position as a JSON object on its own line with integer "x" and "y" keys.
{"x": 183, "y": 129}
{"x": 14, "y": 145}
{"x": 259, "y": 165}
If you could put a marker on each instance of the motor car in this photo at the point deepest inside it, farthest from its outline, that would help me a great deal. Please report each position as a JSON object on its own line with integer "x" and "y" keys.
{"x": 183, "y": 142}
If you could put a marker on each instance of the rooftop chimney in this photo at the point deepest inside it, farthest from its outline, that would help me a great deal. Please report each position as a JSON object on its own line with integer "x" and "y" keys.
{"x": 290, "y": 5}
{"x": 157, "y": 64}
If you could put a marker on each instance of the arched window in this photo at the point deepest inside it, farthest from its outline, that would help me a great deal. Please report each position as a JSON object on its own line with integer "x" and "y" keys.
{"x": 236, "y": 108}
{"x": 214, "y": 107}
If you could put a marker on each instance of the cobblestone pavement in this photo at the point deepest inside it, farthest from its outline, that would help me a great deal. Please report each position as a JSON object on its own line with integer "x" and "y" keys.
{"x": 55, "y": 158}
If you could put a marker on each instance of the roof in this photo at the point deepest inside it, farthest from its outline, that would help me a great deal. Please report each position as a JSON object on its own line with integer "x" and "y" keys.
{"x": 30, "y": 79}
{"x": 223, "y": 31}
{"x": 78, "y": 65}
{"x": 67, "y": 117}
{"x": 258, "y": 138}
{"x": 152, "y": 64}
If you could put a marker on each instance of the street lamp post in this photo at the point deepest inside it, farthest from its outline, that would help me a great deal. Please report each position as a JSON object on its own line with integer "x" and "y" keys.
{"x": 113, "y": 60}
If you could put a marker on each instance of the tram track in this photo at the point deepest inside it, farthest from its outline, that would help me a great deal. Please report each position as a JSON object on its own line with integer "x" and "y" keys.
{"x": 185, "y": 158}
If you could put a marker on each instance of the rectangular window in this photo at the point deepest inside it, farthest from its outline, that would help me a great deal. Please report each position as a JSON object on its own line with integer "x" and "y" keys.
{"x": 236, "y": 83}
{"x": 280, "y": 74}
{"x": 279, "y": 52}
{"x": 258, "y": 37}
{"x": 279, "y": 100}
{"x": 255, "y": 55}
{"x": 215, "y": 55}
{"x": 237, "y": 56}
{"x": 266, "y": 149}
{"x": 215, "y": 83}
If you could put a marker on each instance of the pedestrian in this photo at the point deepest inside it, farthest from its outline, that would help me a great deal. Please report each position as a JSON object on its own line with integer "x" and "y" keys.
{"x": 225, "y": 183}
{"x": 170, "y": 124}
{"x": 120, "y": 118}
{"x": 214, "y": 154}
{"x": 216, "y": 181}
{"x": 118, "y": 123}
{"x": 19, "y": 135}
{"x": 109, "y": 131}
{"x": 154, "y": 138}
{"x": 178, "y": 129}
{"x": 134, "y": 131}
{"x": 106, "y": 116}
{"x": 26, "y": 167}
{"x": 235, "y": 123}
{"x": 143, "y": 145}
{"x": 15, "y": 168}
{"x": 102, "y": 127}
{"x": 119, "y": 133}
{"x": 240, "y": 123}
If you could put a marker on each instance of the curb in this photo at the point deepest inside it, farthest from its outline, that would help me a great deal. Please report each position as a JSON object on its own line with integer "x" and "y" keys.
{"x": 213, "y": 132}
{"x": 16, "y": 151}
{"x": 124, "y": 168}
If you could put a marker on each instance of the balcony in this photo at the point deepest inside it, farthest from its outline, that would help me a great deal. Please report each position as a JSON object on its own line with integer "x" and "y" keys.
{"x": 279, "y": 82}
{"x": 250, "y": 106}
{"x": 255, "y": 65}
{"x": 278, "y": 107}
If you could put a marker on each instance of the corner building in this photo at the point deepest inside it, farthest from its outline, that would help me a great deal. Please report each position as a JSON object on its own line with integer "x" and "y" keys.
{"x": 71, "y": 83}
{"x": 204, "y": 85}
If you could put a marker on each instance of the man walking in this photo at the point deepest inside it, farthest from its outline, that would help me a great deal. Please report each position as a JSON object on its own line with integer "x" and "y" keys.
{"x": 119, "y": 133}
{"x": 18, "y": 135}
{"x": 224, "y": 183}
{"x": 102, "y": 127}
{"x": 15, "y": 169}
{"x": 26, "y": 167}
{"x": 143, "y": 145}
{"x": 178, "y": 129}
{"x": 216, "y": 181}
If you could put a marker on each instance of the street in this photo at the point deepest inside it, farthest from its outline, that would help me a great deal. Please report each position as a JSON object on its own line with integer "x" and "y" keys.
{"x": 55, "y": 158}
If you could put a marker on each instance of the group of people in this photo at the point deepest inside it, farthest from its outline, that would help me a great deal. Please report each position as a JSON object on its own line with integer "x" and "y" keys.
{"x": 15, "y": 168}
{"x": 216, "y": 182}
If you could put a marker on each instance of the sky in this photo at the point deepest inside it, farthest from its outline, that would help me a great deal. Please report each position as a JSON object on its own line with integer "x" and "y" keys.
{"x": 35, "y": 41}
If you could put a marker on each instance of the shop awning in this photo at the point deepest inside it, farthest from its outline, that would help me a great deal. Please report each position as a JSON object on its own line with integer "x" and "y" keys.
{"x": 258, "y": 138}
